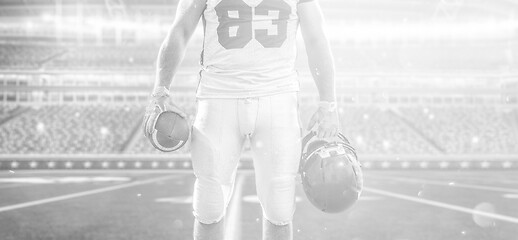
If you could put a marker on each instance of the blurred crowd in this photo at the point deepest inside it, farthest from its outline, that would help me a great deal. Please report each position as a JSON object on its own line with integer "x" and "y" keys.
{"x": 70, "y": 57}
{"x": 27, "y": 56}
{"x": 84, "y": 129}
{"x": 104, "y": 58}
{"x": 114, "y": 128}
{"x": 68, "y": 129}
{"x": 467, "y": 129}
{"x": 31, "y": 56}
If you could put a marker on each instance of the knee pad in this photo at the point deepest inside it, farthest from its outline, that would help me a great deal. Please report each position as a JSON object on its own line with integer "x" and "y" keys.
{"x": 279, "y": 203}
{"x": 210, "y": 200}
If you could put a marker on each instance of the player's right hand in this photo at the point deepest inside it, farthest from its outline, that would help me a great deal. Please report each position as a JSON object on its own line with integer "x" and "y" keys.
{"x": 156, "y": 106}
{"x": 164, "y": 104}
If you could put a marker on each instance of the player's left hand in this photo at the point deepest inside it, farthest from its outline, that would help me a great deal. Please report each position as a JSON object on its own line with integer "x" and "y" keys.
{"x": 328, "y": 123}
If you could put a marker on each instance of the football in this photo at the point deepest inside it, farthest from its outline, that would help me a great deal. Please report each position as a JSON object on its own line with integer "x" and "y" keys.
{"x": 171, "y": 131}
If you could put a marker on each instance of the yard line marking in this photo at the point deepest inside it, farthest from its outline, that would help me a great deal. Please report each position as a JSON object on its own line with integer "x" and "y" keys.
{"x": 232, "y": 228}
{"x": 455, "y": 184}
{"x": 510, "y": 196}
{"x": 460, "y": 177}
{"x": 442, "y": 205}
{"x": 82, "y": 194}
{"x": 16, "y": 185}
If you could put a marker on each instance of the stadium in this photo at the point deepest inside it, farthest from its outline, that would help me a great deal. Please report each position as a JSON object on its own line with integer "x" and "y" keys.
{"x": 427, "y": 94}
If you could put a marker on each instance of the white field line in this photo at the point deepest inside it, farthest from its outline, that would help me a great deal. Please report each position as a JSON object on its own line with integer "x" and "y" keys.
{"x": 233, "y": 221}
{"x": 102, "y": 171}
{"x": 443, "y": 205}
{"x": 493, "y": 180}
{"x": 82, "y": 194}
{"x": 453, "y": 184}
{"x": 506, "y": 180}
{"x": 489, "y": 179}
{"x": 15, "y": 185}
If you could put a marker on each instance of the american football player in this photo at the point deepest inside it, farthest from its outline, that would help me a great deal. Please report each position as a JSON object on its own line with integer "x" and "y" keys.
{"x": 248, "y": 89}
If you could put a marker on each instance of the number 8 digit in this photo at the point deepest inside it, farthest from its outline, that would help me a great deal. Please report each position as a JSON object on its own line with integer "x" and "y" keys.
{"x": 235, "y": 23}
{"x": 236, "y": 15}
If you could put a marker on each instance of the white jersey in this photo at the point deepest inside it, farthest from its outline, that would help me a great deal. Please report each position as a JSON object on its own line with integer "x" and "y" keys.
{"x": 249, "y": 48}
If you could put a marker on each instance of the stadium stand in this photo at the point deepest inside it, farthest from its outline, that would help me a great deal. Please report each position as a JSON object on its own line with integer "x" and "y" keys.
{"x": 68, "y": 129}
{"x": 467, "y": 129}
{"x": 374, "y": 130}
{"x": 59, "y": 57}
{"x": 27, "y": 56}
{"x": 115, "y": 58}
{"x": 377, "y": 131}
{"x": 105, "y": 58}
{"x": 7, "y": 112}
{"x": 80, "y": 129}
{"x": 105, "y": 128}
{"x": 112, "y": 128}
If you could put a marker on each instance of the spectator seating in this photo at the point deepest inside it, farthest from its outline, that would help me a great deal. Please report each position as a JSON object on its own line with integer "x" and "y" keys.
{"x": 68, "y": 129}
{"x": 104, "y": 58}
{"x": 376, "y": 131}
{"x": 26, "y": 56}
{"x": 7, "y": 111}
{"x": 79, "y": 129}
{"x": 467, "y": 129}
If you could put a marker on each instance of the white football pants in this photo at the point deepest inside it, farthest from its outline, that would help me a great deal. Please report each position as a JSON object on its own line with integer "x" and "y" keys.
{"x": 219, "y": 132}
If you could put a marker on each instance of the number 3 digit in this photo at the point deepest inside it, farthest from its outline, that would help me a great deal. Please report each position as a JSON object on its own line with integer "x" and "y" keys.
{"x": 271, "y": 6}
{"x": 235, "y": 23}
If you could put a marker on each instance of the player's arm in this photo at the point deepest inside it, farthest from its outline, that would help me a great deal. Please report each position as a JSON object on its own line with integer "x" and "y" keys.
{"x": 171, "y": 54}
{"x": 321, "y": 65}
{"x": 319, "y": 54}
{"x": 173, "y": 47}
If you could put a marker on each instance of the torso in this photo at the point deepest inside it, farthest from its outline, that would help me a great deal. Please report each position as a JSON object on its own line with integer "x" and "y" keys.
{"x": 249, "y": 48}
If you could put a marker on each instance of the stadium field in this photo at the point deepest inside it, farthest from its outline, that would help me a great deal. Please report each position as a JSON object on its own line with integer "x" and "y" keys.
{"x": 156, "y": 204}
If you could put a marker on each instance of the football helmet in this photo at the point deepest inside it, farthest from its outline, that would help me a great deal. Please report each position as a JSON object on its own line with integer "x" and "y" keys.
{"x": 331, "y": 174}
{"x": 166, "y": 130}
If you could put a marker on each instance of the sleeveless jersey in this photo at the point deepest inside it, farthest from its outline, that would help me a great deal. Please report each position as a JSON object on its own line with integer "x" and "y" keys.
{"x": 249, "y": 48}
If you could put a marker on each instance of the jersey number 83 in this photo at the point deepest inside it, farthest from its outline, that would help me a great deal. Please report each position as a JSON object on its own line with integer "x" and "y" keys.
{"x": 239, "y": 23}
